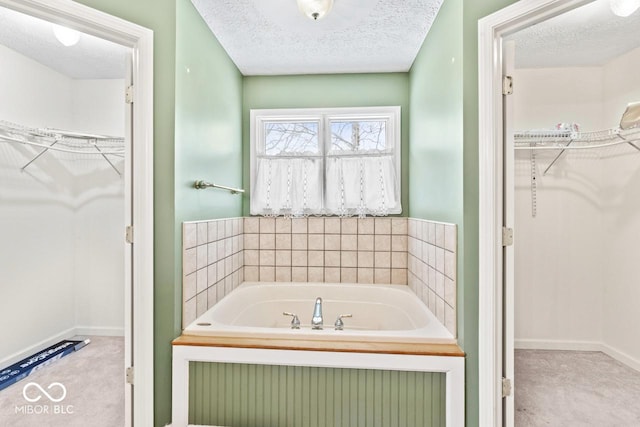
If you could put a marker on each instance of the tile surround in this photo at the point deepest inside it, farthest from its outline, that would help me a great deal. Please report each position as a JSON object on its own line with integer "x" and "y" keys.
{"x": 218, "y": 255}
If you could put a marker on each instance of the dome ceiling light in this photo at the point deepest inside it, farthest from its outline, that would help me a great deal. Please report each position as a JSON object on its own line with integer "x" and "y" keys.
{"x": 315, "y": 9}
{"x": 624, "y": 8}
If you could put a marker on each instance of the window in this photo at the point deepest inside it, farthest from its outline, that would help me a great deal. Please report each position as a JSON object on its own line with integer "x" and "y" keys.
{"x": 339, "y": 161}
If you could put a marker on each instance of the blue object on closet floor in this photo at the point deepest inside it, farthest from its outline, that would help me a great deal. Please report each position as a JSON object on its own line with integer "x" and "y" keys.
{"x": 25, "y": 367}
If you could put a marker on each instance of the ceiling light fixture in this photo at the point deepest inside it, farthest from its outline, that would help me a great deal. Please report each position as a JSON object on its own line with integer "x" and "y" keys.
{"x": 624, "y": 8}
{"x": 66, "y": 36}
{"x": 315, "y": 9}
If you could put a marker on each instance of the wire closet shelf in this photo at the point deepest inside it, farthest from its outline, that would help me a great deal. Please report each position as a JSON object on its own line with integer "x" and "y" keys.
{"x": 568, "y": 138}
{"x": 47, "y": 139}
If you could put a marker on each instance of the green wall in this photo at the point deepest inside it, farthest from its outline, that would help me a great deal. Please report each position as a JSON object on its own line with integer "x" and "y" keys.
{"x": 444, "y": 168}
{"x": 334, "y": 90}
{"x": 208, "y": 128}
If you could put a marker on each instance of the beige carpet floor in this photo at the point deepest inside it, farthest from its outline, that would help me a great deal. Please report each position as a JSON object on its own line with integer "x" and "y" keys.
{"x": 574, "y": 389}
{"x": 94, "y": 380}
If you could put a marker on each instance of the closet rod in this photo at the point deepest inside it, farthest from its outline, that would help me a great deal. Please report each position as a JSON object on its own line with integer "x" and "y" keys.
{"x": 200, "y": 185}
{"x": 581, "y": 147}
{"x": 119, "y": 153}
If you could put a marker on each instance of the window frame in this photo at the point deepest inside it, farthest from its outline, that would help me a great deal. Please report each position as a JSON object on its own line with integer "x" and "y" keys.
{"x": 324, "y": 116}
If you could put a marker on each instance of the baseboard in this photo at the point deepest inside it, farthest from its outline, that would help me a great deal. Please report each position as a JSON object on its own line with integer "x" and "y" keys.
{"x": 64, "y": 335}
{"x": 99, "y": 331}
{"x": 19, "y": 355}
{"x": 620, "y": 356}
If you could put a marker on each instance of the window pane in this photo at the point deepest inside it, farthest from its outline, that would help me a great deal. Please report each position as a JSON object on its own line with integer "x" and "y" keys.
{"x": 291, "y": 138}
{"x": 361, "y": 135}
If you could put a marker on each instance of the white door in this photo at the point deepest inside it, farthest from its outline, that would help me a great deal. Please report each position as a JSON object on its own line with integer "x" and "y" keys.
{"x": 508, "y": 407}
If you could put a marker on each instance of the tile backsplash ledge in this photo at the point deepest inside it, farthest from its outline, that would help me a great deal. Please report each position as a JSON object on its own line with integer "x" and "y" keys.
{"x": 218, "y": 255}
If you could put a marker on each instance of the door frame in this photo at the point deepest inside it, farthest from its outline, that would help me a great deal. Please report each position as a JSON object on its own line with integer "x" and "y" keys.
{"x": 140, "y": 40}
{"x": 491, "y": 30}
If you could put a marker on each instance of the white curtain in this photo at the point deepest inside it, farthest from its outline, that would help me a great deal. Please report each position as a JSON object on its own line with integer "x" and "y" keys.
{"x": 361, "y": 185}
{"x": 287, "y": 186}
{"x": 354, "y": 186}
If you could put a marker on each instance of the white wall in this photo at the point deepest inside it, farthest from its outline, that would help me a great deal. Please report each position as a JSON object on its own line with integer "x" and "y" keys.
{"x": 621, "y": 212}
{"x": 576, "y": 275}
{"x": 558, "y": 253}
{"x": 61, "y": 221}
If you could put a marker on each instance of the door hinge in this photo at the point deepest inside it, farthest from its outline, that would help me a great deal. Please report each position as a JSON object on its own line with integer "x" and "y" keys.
{"x": 128, "y": 95}
{"x": 507, "y": 85}
{"x": 506, "y": 387}
{"x": 507, "y": 236}
{"x": 128, "y": 233}
{"x": 128, "y": 373}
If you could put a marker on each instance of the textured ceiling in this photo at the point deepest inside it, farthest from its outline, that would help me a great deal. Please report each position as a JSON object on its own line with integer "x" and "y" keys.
{"x": 91, "y": 58}
{"x": 272, "y": 37}
{"x": 587, "y": 36}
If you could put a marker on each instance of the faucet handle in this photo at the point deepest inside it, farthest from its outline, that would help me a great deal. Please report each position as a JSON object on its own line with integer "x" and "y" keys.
{"x": 339, "y": 325}
{"x": 295, "y": 321}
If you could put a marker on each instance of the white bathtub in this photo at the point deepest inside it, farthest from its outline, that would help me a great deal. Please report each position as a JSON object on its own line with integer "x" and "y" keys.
{"x": 380, "y": 312}
{"x": 391, "y": 329}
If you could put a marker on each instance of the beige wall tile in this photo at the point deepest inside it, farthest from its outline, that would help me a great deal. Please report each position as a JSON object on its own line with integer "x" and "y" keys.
{"x": 190, "y": 261}
{"x": 331, "y": 242}
{"x": 349, "y": 259}
{"x": 299, "y": 258}
{"x": 399, "y": 260}
{"x": 190, "y": 312}
{"x": 382, "y": 275}
{"x": 201, "y": 256}
{"x": 365, "y": 275}
{"x": 382, "y": 242}
{"x": 299, "y": 274}
{"x": 399, "y": 226}
{"x": 450, "y": 238}
{"x": 267, "y": 258}
{"x": 450, "y": 292}
{"x": 348, "y": 275}
{"x": 450, "y": 320}
{"x": 283, "y": 241}
{"x": 220, "y": 270}
{"x": 189, "y": 289}
{"x": 382, "y": 225}
{"x": 283, "y": 225}
{"x": 299, "y": 241}
{"x": 315, "y": 274}
{"x": 315, "y": 225}
{"x": 252, "y": 241}
{"x": 212, "y": 274}
{"x": 440, "y": 259}
{"x": 365, "y": 242}
{"x": 382, "y": 260}
{"x": 267, "y": 241}
{"x": 450, "y": 264}
{"x": 431, "y": 233}
{"x": 399, "y": 276}
{"x": 212, "y": 296}
{"x": 299, "y": 225}
{"x": 440, "y": 285}
{"x": 201, "y": 280}
{"x": 316, "y": 242}
{"x": 316, "y": 258}
{"x": 399, "y": 243}
{"x": 366, "y": 225}
{"x": 203, "y": 237}
{"x": 252, "y": 225}
{"x": 365, "y": 259}
{"x": 267, "y": 225}
{"x": 332, "y": 225}
{"x": 440, "y": 236}
{"x": 189, "y": 235}
{"x": 267, "y": 274}
{"x": 332, "y": 274}
{"x": 349, "y": 242}
{"x": 332, "y": 258}
{"x": 349, "y": 225}
{"x": 283, "y": 259}
{"x": 201, "y": 303}
{"x": 251, "y": 273}
{"x": 283, "y": 274}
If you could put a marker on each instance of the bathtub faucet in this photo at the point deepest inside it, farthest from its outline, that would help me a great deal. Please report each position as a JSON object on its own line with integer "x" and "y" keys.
{"x": 316, "y": 320}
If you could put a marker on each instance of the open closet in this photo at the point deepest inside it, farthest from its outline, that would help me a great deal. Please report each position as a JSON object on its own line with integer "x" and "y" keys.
{"x": 62, "y": 218}
{"x": 576, "y": 165}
